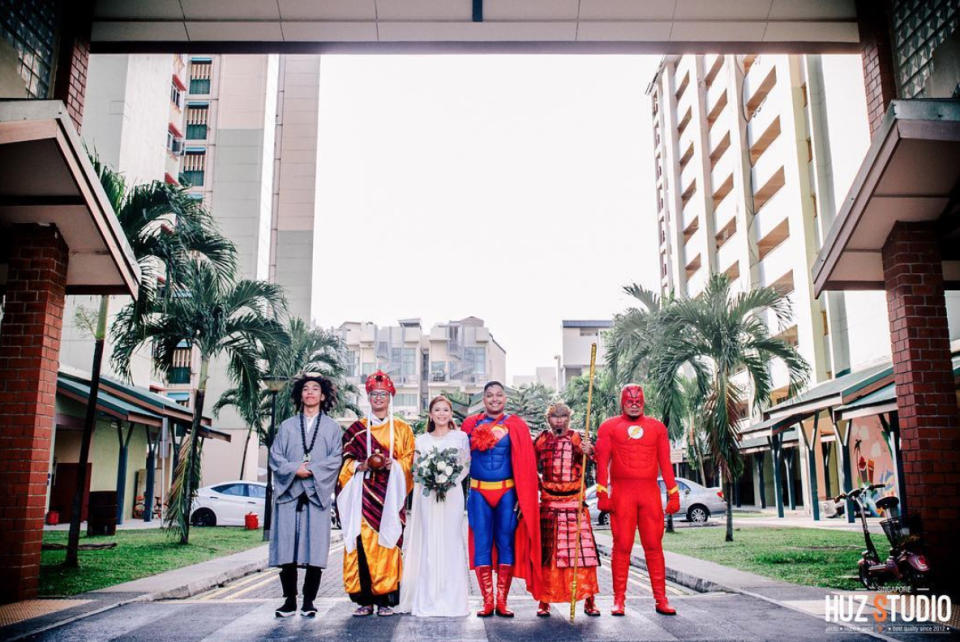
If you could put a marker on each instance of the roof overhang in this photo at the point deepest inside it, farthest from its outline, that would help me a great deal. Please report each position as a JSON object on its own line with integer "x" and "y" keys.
{"x": 47, "y": 179}
{"x": 462, "y": 26}
{"x": 911, "y": 173}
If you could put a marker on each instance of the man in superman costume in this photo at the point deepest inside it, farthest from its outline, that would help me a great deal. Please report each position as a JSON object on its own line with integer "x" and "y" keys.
{"x": 503, "y": 479}
{"x": 630, "y": 448}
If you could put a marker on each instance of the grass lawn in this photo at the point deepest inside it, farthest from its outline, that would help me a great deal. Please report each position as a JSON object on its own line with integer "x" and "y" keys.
{"x": 138, "y": 553}
{"x": 811, "y": 556}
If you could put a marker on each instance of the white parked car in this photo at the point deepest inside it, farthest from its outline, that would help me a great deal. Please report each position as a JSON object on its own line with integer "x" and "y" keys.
{"x": 697, "y": 503}
{"x": 227, "y": 504}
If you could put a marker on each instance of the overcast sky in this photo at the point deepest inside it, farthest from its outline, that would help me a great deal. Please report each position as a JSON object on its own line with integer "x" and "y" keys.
{"x": 518, "y": 189}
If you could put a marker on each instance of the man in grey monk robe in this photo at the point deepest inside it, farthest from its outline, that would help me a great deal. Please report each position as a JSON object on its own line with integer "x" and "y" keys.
{"x": 305, "y": 459}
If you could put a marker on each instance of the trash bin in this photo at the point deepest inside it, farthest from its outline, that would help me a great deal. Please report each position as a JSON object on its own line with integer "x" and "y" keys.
{"x": 102, "y": 513}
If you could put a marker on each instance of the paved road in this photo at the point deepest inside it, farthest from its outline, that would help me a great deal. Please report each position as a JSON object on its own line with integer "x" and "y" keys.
{"x": 243, "y": 610}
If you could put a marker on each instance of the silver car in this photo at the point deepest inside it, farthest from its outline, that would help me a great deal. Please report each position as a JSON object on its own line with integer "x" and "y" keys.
{"x": 697, "y": 503}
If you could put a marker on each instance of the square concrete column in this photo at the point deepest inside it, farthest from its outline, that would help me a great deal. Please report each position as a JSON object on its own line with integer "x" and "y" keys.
{"x": 29, "y": 359}
{"x": 926, "y": 401}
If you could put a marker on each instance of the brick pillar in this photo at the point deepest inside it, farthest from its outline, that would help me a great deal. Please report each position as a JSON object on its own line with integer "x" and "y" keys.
{"x": 876, "y": 55}
{"x": 70, "y": 81}
{"x": 29, "y": 359}
{"x": 926, "y": 401}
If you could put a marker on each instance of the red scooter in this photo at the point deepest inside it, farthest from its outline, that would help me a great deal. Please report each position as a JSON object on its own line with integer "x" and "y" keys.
{"x": 904, "y": 563}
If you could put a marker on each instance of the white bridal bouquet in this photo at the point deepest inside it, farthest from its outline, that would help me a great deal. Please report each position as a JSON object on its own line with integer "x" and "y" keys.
{"x": 437, "y": 471}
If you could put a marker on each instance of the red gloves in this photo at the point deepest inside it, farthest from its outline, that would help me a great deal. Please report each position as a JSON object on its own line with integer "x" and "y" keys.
{"x": 604, "y": 502}
{"x": 673, "y": 501}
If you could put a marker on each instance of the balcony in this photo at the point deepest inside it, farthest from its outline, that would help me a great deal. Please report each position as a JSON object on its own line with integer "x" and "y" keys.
{"x": 683, "y": 75}
{"x": 720, "y": 135}
{"x": 179, "y": 375}
{"x": 759, "y": 81}
{"x": 759, "y": 125}
{"x": 688, "y": 175}
{"x": 193, "y": 178}
{"x": 685, "y": 158}
{"x": 721, "y": 172}
{"x": 723, "y": 212}
{"x": 693, "y": 242}
{"x": 685, "y": 107}
{"x": 197, "y": 132}
{"x": 775, "y": 263}
{"x": 199, "y": 86}
{"x": 775, "y": 212}
{"x": 727, "y": 252}
{"x": 767, "y": 173}
{"x": 685, "y": 119}
{"x": 774, "y": 325}
{"x": 691, "y": 210}
{"x": 712, "y": 66}
{"x": 761, "y": 140}
{"x": 696, "y": 280}
{"x": 716, "y": 100}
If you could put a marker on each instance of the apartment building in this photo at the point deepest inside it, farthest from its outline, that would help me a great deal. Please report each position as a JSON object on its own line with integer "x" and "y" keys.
{"x": 457, "y": 356}
{"x": 577, "y": 337}
{"x": 744, "y": 188}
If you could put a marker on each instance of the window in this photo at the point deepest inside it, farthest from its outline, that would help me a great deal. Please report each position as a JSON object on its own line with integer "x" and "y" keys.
{"x": 176, "y": 95}
{"x": 408, "y": 362}
{"x": 588, "y": 332}
{"x": 200, "y": 75}
{"x": 194, "y": 163}
{"x": 257, "y": 491}
{"x": 174, "y": 143}
{"x": 475, "y": 361}
{"x": 438, "y": 371}
{"x": 231, "y": 489}
{"x": 197, "y": 122}
{"x": 350, "y": 363}
{"x": 368, "y": 368}
{"x": 406, "y": 400}
{"x": 31, "y": 29}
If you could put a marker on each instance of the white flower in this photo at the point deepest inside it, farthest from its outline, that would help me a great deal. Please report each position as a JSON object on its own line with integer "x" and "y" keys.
{"x": 442, "y": 477}
{"x": 448, "y": 469}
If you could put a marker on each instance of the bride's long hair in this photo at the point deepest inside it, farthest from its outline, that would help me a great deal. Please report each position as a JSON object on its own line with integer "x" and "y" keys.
{"x": 430, "y": 425}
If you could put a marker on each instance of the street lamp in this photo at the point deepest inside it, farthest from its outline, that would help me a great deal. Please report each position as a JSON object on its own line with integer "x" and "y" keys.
{"x": 274, "y": 383}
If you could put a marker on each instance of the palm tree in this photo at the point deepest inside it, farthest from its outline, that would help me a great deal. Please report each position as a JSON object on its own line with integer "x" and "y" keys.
{"x": 606, "y": 398}
{"x": 306, "y": 350}
{"x": 165, "y": 228}
{"x": 717, "y": 335}
{"x": 239, "y": 320}
{"x": 530, "y": 402}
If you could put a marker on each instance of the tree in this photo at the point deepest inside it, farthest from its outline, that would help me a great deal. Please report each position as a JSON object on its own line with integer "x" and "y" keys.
{"x": 717, "y": 335}
{"x": 530, "y": 402}
{"x": 306, "y": 350}
{"x": 166, "y": 229}
{"x": 606, "y": 399}
{"x": 218, "y": 316}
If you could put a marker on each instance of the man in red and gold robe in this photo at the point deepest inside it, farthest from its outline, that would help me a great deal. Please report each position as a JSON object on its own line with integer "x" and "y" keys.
{"x": 560, "y": 463}
{"x": 372, "y": 488}
{"x": 630, "y": 450}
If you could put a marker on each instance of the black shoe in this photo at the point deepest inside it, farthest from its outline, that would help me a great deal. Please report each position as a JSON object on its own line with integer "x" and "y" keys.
{"x": 308, "y": 609}
{"x": 289, "y": 608}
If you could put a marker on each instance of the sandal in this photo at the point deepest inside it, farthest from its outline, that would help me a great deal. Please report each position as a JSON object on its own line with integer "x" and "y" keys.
{"x": 385, "y": 611}
{"x": 363, "y": 611}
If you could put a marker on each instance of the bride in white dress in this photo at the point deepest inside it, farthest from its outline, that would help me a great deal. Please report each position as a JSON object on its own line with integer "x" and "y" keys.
{"x": 434, "y": 581}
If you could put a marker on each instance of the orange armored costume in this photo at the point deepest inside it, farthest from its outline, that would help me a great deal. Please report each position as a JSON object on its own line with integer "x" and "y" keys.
{"x": 630, "y": 450}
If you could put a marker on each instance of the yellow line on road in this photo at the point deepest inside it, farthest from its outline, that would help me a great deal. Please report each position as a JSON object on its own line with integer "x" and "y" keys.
{"x": 266, "y": 580}
{"x": 229, "y": 587}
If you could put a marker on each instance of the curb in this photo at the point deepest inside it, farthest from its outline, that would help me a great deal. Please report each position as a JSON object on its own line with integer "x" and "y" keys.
{"x": 682, "y": 578}
{"x": 179, "y": 592}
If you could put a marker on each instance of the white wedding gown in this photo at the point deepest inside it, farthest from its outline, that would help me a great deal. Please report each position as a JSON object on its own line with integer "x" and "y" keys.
{"x": 434, "y": 582}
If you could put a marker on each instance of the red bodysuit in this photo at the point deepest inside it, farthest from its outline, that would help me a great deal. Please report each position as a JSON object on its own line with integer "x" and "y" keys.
{"x": 630, "y": 453}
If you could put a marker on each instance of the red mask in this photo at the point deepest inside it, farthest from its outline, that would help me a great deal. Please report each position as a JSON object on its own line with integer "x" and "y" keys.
{"x": 630, "y": 395}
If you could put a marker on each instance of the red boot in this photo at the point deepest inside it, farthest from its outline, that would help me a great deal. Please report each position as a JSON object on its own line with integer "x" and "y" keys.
{"x": 620, "y": 569}
{"x": 543, "y": 610}
{"x": 504, "y": 577}
{"x": 656, "y": 569}
{"x": 485, "y": 580}
{"x": 590, "y": 607}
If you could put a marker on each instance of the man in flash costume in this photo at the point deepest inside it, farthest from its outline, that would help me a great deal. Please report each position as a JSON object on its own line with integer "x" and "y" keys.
{"x": 630, "y": 450}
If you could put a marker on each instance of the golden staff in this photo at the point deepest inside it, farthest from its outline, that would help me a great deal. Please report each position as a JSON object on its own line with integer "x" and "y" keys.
{"x": 583, "y": 476}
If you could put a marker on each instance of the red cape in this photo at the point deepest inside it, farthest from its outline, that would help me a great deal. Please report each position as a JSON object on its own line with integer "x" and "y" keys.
{"x": 526, "y": 547}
